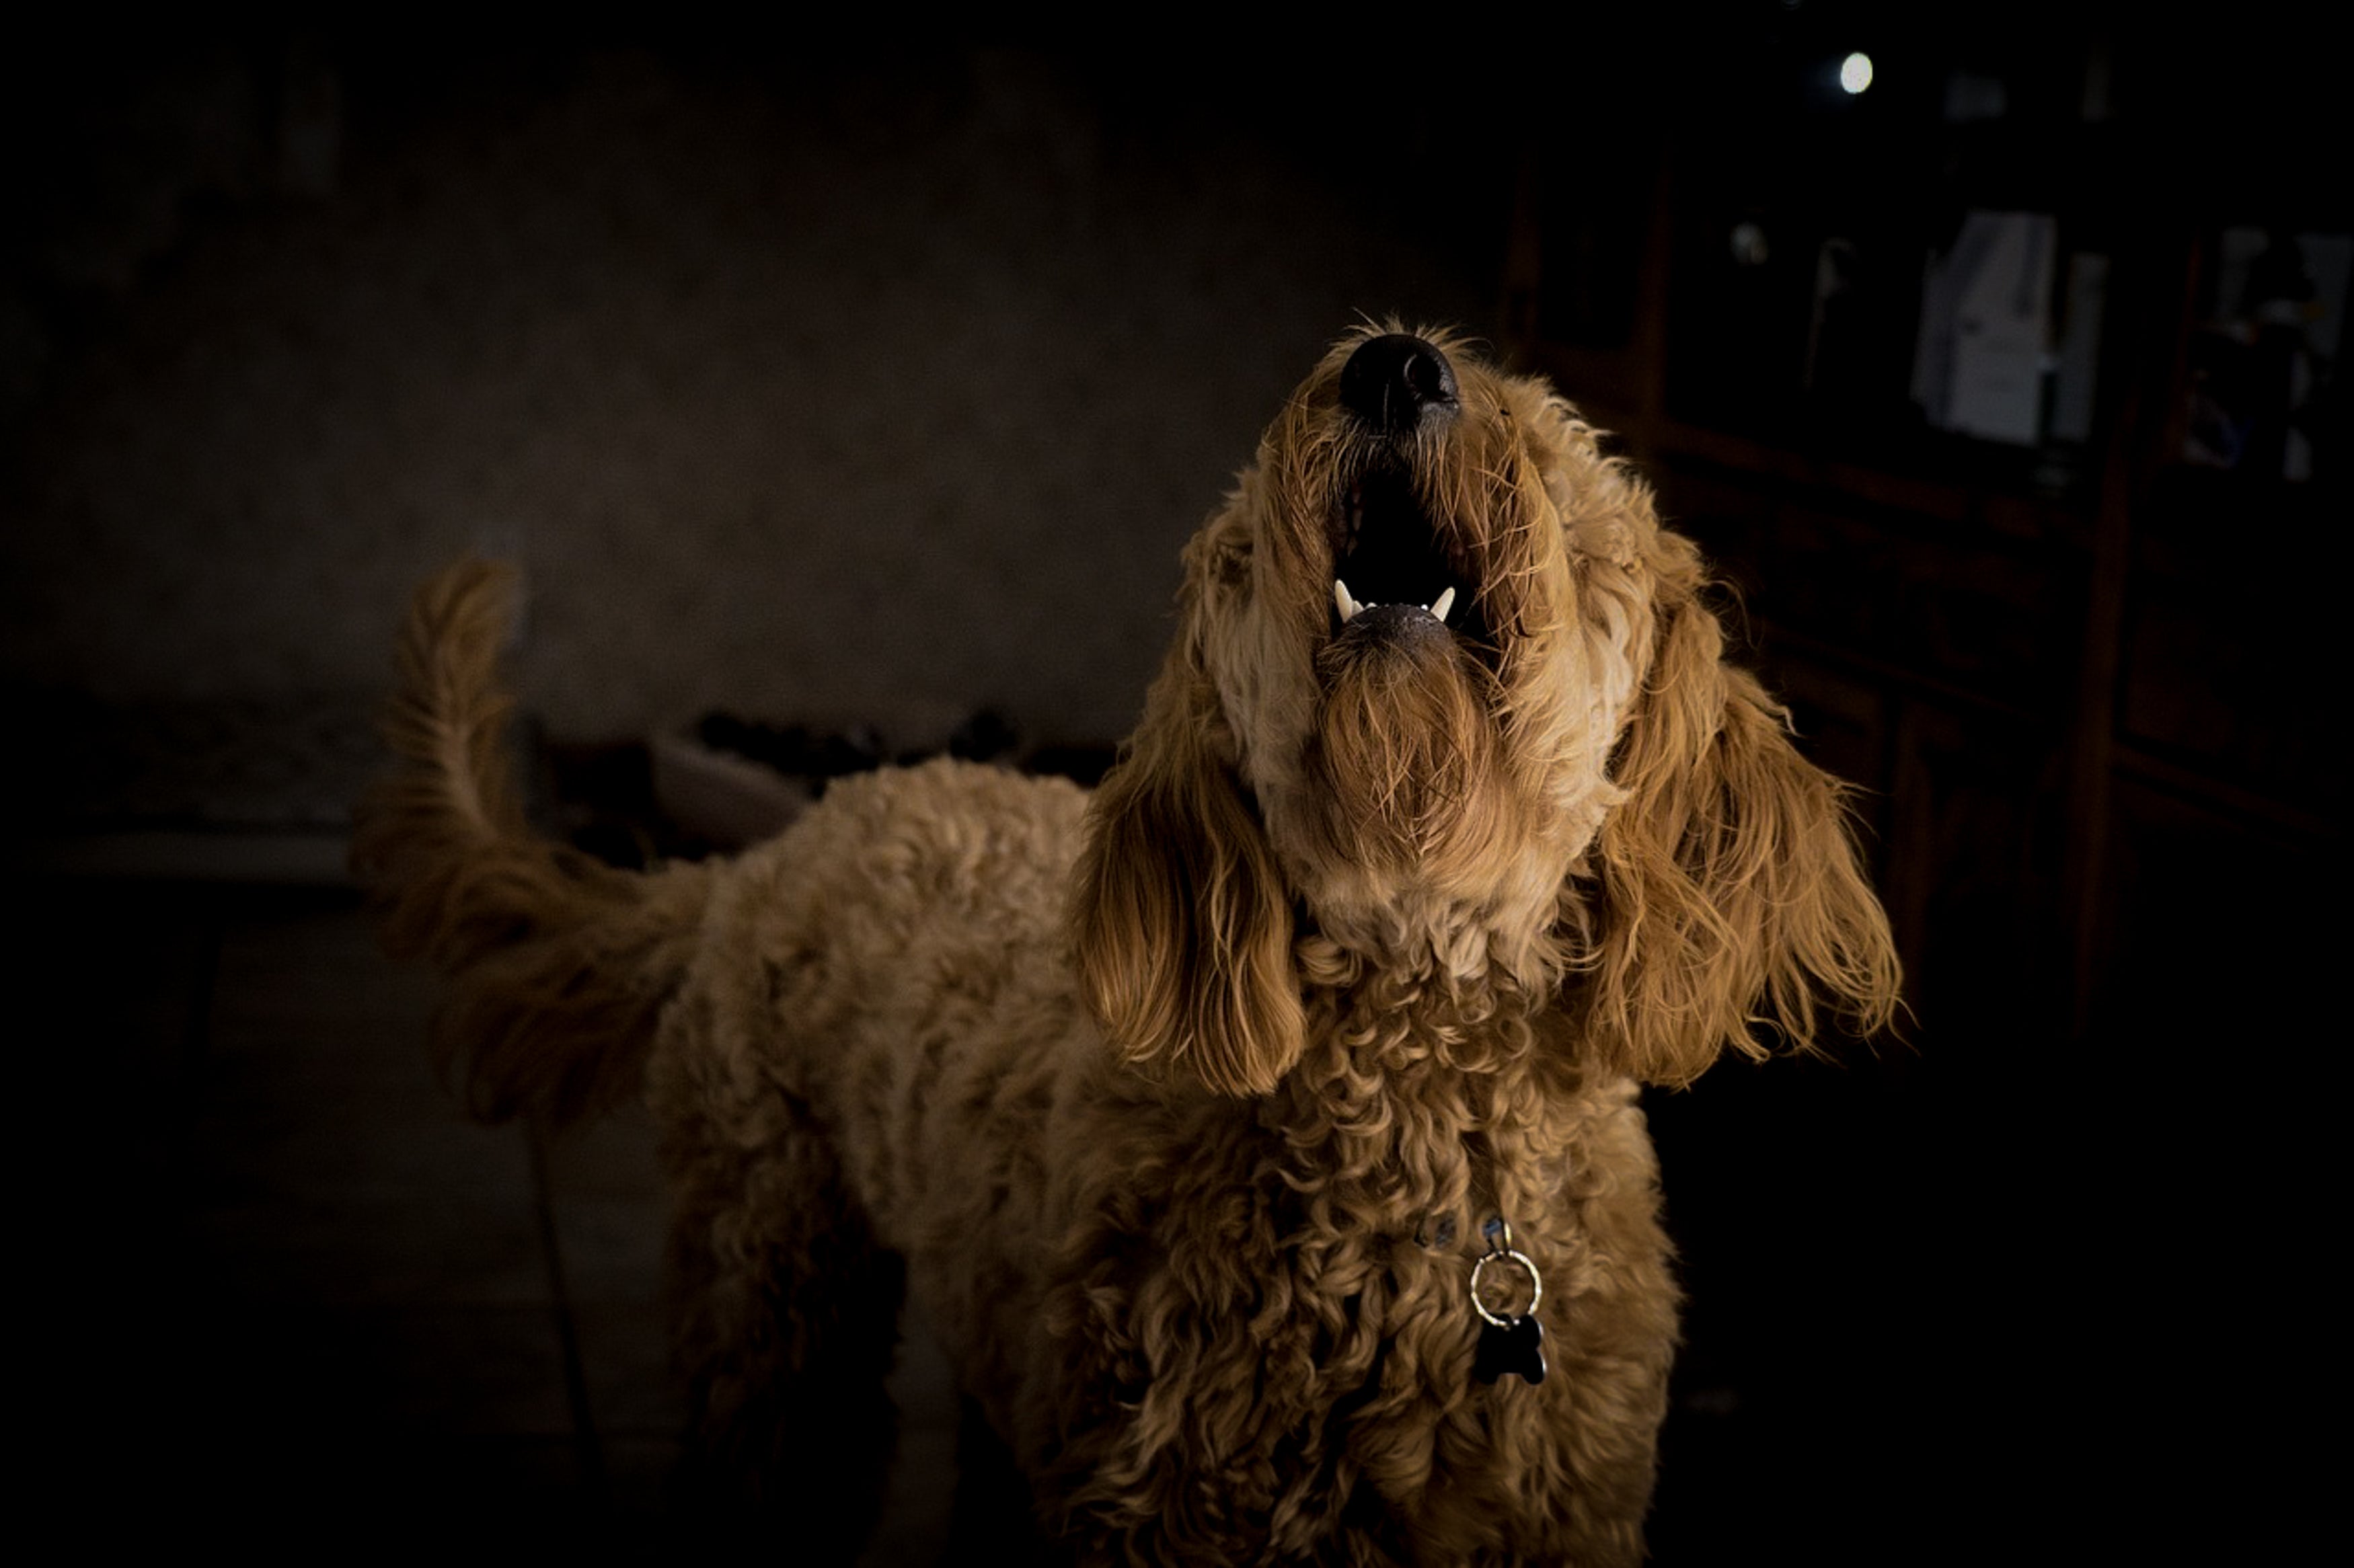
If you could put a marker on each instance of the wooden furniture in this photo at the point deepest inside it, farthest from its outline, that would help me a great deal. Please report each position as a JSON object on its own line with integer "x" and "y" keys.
{"x": 2067, "y": 676}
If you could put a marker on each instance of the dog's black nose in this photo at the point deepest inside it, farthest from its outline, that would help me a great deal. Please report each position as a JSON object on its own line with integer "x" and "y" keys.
{"x": 1393, "y": 380}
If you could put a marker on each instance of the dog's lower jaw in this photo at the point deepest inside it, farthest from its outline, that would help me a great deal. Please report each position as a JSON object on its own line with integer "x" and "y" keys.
{"x": 1413, "y": 846}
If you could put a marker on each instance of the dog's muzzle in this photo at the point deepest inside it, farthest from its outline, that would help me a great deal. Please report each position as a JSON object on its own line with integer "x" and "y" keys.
{"x": 1392, "y": 575}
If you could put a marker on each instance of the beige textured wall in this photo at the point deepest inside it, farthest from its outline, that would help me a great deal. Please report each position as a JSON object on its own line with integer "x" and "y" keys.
{"x": 798, "y": 390}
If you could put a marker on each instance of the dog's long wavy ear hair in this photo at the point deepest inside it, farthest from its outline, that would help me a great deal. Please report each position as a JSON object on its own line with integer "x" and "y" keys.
{"x": 1733, "y": 905}
{"x": 1183, "y": 920}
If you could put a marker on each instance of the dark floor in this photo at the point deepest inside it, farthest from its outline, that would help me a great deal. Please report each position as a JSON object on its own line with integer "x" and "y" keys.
{"x": 302, "y": 1298}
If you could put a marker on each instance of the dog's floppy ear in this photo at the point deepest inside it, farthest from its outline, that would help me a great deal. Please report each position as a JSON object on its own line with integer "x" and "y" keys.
{"x": 1731, "y": 895}
{"x": 1184, "y": 922}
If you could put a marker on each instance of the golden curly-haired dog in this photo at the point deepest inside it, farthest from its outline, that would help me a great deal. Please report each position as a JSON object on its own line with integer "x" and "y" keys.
{"x": 1196, "y": 1110}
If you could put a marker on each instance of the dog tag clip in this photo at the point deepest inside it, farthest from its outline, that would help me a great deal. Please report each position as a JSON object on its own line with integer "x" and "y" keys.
{"x": 1511, "y": 1341}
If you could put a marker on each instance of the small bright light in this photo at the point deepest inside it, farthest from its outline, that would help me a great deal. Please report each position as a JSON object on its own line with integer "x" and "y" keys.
{"x": 1855, "y": 72}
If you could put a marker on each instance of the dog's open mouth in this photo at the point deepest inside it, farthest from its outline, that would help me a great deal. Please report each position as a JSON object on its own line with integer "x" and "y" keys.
{"x": 1393, "y": 575}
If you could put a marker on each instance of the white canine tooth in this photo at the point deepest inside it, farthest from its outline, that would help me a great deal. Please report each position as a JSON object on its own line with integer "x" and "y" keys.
{"x": 1341, "y": 601}
{"x": 1442, "y": 604}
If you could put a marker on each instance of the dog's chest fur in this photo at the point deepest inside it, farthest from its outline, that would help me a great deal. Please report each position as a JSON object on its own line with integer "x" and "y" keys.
{"x": 1285, "y": 1334}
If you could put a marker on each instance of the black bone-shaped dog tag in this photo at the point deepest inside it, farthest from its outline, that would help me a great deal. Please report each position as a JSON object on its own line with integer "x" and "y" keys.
{"x": 1514, "y": 1346}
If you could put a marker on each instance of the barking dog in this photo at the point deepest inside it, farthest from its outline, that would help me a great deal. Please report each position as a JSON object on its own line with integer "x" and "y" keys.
{"x": 1259, "y": 1136}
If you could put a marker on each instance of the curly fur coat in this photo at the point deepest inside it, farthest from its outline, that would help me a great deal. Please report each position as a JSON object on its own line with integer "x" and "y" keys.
{"x": 1192, "y": 1107}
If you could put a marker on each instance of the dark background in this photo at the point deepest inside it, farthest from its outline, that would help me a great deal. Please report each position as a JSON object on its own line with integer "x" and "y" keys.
{"x": 869, "y": 390}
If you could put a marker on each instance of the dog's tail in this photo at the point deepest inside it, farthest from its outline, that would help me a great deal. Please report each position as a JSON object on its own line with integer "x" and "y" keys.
{"x": 560, "y": 965}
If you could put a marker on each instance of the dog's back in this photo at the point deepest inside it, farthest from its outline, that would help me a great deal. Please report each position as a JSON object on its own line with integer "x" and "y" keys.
{"x": 891, "y": 974}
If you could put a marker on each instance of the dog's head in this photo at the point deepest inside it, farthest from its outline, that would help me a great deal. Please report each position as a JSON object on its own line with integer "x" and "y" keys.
{"x": 1445, "y": 694}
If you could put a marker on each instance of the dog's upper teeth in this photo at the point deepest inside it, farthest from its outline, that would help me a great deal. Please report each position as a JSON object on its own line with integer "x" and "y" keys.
{"x": 1341, "y": 601}
{"x": 1442, "y": 604}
